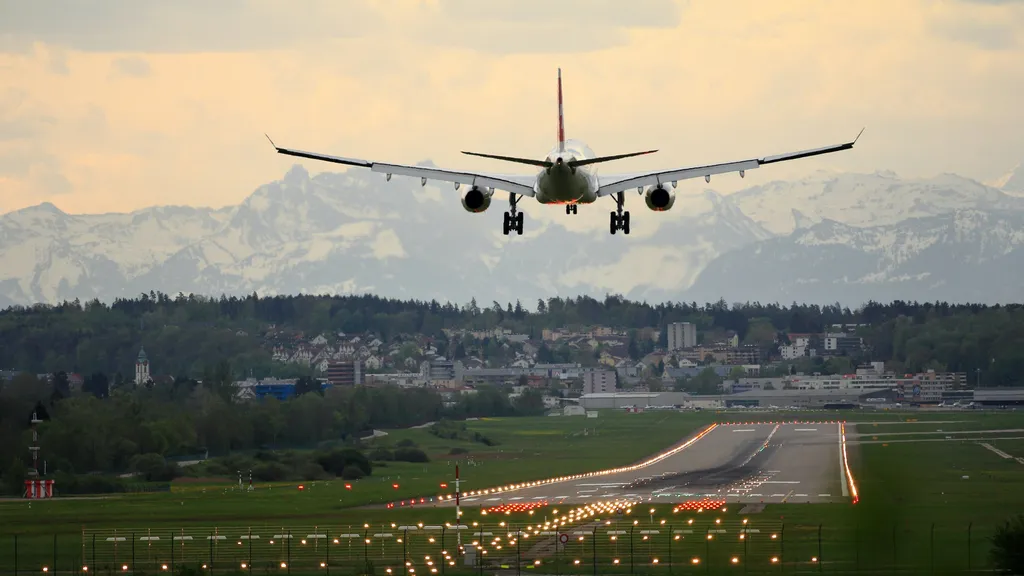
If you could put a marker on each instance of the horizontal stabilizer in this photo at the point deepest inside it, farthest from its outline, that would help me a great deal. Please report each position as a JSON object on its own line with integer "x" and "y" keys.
{"x": 600, "y": 159}
{"x": 530, "y": 161}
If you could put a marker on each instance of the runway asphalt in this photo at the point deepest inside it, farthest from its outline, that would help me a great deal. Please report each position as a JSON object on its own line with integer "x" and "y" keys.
{"x": 734, "y": 463}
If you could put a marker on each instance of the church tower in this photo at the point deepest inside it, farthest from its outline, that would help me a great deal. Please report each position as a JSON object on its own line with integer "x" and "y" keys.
{"x": 142, "y": 368}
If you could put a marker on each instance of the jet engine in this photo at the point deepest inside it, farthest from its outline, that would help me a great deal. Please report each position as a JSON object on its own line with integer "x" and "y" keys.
{"x": 660, "y": 198}
{"x": 477, "y": 199}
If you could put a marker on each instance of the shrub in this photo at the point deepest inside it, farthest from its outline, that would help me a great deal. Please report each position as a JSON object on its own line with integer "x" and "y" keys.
{"x": 406, "y": 443}
{"x": 455, "y": 451}
{"x": 1008, "y": 546}
{"x": 336, "y": 461}
{"x": 411, "y": 455}
{"x": 352, "y": 473}
{"x": 270, "y": 472}
{"x": 381, "y": 455}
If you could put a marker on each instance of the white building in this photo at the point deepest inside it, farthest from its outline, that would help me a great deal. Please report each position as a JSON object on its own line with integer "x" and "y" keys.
{"x": 681, "y": 335}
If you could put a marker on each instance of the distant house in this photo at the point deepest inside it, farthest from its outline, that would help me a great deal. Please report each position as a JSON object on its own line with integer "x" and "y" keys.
{"x": 319, "y": 341}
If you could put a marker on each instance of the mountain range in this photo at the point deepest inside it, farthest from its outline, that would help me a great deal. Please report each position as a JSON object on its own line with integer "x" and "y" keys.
{"x": 825, "y": 238}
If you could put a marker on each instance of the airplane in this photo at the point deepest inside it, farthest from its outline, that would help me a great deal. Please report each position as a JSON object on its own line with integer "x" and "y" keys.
{"x": 567, "y": 176}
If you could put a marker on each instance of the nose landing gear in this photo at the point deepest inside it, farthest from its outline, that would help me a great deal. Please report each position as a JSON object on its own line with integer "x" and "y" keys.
{"x": 619, "y": 218}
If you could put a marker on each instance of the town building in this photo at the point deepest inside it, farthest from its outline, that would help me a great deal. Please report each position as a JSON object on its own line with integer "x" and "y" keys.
{"x": 142, "y": 375}
{"x": 681, "y": 335}
{"x": 598, "y": 381}
{"x": 344, "y": 373}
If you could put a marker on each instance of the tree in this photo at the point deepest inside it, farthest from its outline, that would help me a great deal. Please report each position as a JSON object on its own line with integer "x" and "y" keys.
{"x": 737, "y": 372}
{"x": 307, "y": 384}
{"x": 1008, "y": 546}
{"x": 61, "y": 386}
{"x": 97, "y": 384}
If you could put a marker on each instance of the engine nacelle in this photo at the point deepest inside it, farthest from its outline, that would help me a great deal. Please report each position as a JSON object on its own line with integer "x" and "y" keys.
{"x": 660, "y": 198}
{"x": 477, "y": 199}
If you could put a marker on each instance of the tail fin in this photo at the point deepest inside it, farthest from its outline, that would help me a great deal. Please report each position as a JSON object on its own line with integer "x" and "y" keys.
{"x": 561, "y": 122}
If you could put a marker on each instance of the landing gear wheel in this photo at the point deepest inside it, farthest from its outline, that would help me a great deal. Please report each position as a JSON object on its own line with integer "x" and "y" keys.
{"x": 614, "y": 223}
{"x": 568, "y": 208}
{"x": 625, "y": 223}
{"x": 519, "y": 223}
{"x": 513, "y": 219}
{"x": 506, "y": 226}
{"x": 575, "y": 208}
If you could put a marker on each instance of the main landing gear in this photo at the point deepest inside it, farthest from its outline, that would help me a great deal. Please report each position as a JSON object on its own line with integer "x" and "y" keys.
{"x": 571, "y": 208}
{"x": 513, "y": 220}
{"x": 620, "y": 218}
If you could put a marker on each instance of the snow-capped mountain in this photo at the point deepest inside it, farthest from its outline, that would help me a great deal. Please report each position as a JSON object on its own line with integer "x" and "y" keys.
{"x": 865, "y": 199}
{"x": 352, "y": 232}
{"x": 1012, "y": 182}
{"x": 967, "y": 255}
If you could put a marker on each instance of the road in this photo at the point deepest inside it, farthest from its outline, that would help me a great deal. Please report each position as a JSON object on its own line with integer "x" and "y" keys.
{"x": 744, "y": 463}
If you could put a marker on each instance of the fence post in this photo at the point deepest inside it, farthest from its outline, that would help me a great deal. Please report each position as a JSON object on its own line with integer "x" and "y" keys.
{"x": 707, "y": 552}
{"x": 93, "y": 550}
{"x": 211, "y": 551}
{"x": 894, "y": 547}
{"x": 55, "y": 550}
{"x": 931, "y": 547}
{"x": 746, "y": 536}
{"x": 288, "y": 539}
{"x": 133, "y": 552}
{"x": 444, "y": 561}
{"x": 327, "y": 560}
{"x": 172, "y": 548}
{"x": 819, "y": 547}
{"x": 969, "y": 545}
{"x": 479, "y": 552}
{"x": 405, "y": 551}
{"x": 366, "y": 553}
{"x": 594, "y": 548}
{"x": 671, "y": 537}
{"x": 15, "y": 555}
{"x": 631, "y": 528}
{"x": 782, "y": 548}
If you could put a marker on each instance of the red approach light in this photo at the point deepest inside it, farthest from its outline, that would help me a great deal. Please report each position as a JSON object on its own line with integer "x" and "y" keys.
{"x": 444, "y": 484}
{"x": 395, "y": 486}
{"x": 348, "y": 486}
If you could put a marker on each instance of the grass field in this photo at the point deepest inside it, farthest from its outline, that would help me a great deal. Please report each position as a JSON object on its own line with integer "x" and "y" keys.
{"x": 905, "y": 489}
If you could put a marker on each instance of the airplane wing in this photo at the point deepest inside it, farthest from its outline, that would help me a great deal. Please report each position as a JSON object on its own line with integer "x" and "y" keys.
{"x": 514, "y": 184}
{"x": 612, "y": 184}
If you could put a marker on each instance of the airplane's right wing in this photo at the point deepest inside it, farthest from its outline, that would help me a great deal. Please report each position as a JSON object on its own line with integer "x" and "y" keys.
{"x": 613, "y": 184}
{"x": 521, "y": 185}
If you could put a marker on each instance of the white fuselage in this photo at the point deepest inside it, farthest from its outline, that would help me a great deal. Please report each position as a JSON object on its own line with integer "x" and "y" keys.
{"x": 562, "y": 184}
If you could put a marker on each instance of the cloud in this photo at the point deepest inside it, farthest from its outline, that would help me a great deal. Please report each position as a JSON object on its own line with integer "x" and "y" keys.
{"x": 133, "y": 67}
{"x": 988, "y": 24}
{"x": 178, "y": 26}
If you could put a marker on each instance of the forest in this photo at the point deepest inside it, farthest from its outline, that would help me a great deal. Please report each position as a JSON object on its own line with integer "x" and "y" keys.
{"x": 187, "y": 334}
{"x": 144, "y": 429}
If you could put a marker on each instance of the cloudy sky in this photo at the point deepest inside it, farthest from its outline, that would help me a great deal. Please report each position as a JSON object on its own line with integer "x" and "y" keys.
{"x": 113, "y": 105}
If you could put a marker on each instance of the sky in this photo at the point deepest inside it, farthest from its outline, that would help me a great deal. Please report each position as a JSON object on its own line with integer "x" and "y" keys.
{"x": 115, "y": 105}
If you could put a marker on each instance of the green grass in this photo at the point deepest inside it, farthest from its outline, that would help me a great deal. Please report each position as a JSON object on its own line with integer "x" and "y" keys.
{"x": 905, "y": 489}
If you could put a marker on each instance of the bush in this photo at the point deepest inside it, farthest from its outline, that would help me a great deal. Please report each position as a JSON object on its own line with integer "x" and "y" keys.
{"x": 352, "y": 473}
{"x": 411, "y": 455}
{"x": 1008, "y": 546}
{"x": 381, "y": 455}
{"x": 312, "y": 471}
{"x": 336, "y": 461}
{"x": 270, "y": 472}
{"x": 154, "y": 468}
{"x": 456, "y": 451}
{"x": 406, "y": 443}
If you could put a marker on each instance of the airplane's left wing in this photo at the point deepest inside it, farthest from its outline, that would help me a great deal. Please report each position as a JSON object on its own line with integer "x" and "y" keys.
{"x": 613, "y": 184}
{"x": 515, "y": 184}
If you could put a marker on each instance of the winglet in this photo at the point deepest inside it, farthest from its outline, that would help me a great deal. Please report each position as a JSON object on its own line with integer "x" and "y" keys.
{"x": 858, "y": 137}
{"x": 271, "y": 141}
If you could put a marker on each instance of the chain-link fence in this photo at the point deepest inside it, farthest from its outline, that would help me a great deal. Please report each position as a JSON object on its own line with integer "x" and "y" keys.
{"x": 620, "y": 546}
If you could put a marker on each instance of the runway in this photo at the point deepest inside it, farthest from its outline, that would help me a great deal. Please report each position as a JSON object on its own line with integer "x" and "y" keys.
{"x": 734, "y": 463}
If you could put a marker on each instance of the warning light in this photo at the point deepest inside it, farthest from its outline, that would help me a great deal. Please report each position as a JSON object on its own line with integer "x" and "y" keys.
{"x": 444, "y": 484}
{"x": 301, "y": 487}
{"x": 348, "y": 486}
{"x": 395, "y": 486}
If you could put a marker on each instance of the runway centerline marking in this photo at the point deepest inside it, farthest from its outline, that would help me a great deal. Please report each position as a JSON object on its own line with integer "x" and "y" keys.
{"x": 744, "y": 430}
{"x": 781, "y": 482}
{"x": 806, "y": 429}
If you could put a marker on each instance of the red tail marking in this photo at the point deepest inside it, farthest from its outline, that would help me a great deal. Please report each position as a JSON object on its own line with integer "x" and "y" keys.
{"x": 561, "y": 122}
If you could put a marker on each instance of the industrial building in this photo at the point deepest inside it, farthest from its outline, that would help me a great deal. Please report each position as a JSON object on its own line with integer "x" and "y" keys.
{"x": 346, "y": 373}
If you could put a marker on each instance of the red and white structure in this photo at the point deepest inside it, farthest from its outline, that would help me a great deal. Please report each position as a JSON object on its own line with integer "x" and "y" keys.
{"x": 36, "y": 489}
